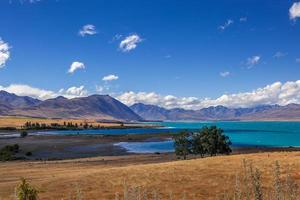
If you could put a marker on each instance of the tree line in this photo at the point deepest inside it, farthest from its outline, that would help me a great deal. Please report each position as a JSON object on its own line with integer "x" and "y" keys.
{"x": 207, "y": 141}
{"x": 65, "y": 125}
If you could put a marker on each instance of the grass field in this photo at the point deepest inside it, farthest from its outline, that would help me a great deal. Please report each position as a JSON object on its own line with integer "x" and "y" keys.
{"x": 18, "y": 122}
{"x": 101, "y": 178}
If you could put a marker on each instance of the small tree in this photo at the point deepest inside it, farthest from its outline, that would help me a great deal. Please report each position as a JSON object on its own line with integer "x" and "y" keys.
{"x": 214, "y": 141}
{"x": 24, "y": 191}
{"x": 182, "y": 144}
{"x": 23, "y": 134}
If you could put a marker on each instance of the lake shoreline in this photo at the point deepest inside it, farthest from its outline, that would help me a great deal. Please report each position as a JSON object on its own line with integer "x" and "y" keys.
{"x": 62, "y": 147}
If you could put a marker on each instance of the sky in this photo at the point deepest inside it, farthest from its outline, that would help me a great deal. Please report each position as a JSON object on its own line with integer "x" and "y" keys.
{"x": 172, "y": 53}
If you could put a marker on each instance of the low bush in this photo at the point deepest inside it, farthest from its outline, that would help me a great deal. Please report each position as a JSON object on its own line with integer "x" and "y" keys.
{"x": 23, "y": 134}
{"x": 8, "y": 152}
{"x": 25, "y": 191}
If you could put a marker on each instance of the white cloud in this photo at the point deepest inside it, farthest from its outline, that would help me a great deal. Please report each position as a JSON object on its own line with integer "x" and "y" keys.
{"x": 76, "y": 65}
{"x": 110, "y": 77}
{"x": 26, "y": 90}
{"x": 253, "y": 61}
{"x": 29, "y": 1}
{"x": 130, "y": 43}
{"x": 243, "y": 19}
{"x": 294, "y": 11}
{"x": 42, "y": 94}
{"x": 226, "y": 25}
{"x": 276, "y": 93}
{"x": 224, "y": 74}
{"x": 279, "y": 54}
{"x": 117, "y": 37}
{"x": 4, "y": 53}
{"x": 73, "y": 92}
{"x": 88, "y": 29}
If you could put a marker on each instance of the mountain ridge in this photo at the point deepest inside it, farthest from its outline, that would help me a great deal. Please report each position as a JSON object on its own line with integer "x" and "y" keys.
{"x": 102, "y": 107}
{"x": 217, "y": 113}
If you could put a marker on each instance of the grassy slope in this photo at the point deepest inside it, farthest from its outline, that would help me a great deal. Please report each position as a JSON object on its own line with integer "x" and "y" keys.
{"x": 98, "y": 179}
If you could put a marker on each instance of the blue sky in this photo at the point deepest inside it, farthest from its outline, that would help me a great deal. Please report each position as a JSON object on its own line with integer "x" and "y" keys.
{"x": 201, "y": 49}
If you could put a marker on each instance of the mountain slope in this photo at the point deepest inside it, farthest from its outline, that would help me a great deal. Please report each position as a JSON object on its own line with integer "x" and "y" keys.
{"x": 102, "y": 107}
{"x": 14, "y": 101}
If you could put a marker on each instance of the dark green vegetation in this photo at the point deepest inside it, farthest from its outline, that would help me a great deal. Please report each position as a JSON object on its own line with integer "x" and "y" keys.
{"x": 71, "y": 126}
{"x": 57, "y": 126}
{"x": 23, "y": 134}
{"x": 8, "y": 152}
{"x": 208, "y": 141}
{"x": 25, "y": 191}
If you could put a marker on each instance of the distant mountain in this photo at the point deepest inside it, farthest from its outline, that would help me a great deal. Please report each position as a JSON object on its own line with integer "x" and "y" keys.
{"x": 150, "y": 112}
{"x": 102, "y": 107}
{"x": 262, "y": 112}
{"x": 12, "y": 100}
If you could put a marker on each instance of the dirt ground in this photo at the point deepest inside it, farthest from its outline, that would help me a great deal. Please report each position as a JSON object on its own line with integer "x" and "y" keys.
{"x": 103, "y": 177}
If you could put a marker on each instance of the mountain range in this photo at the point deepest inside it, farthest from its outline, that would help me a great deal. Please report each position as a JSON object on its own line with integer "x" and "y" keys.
{"x": 105, "y": 107}
{"x": 263, "y": 113}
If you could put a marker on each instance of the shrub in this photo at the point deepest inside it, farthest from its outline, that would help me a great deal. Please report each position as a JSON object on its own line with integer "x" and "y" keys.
{"x": 23, "y": 134}
{"x": 8, "y": 152}
{"x": 251, "y": 186}
{"x": 24, "y": 191}
{"x": 28, "y": 153}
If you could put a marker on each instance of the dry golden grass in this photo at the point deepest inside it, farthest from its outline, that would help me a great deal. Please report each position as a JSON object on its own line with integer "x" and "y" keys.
{"x": 18, "y": 122}
{"x": 97, "y": 179}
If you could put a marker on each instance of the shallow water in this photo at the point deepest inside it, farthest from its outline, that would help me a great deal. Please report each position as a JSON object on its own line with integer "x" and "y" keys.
{"x": 273, "y": 134}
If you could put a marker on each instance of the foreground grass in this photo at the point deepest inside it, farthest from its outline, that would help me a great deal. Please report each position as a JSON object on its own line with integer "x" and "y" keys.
{"x": 207, "y": 178}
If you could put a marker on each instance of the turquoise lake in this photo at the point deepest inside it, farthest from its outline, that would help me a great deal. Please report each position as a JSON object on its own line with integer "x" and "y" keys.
{"x": 268, "y": 134}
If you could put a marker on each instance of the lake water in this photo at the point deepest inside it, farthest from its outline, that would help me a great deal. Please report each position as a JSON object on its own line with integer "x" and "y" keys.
{"x": 272, "y": 134}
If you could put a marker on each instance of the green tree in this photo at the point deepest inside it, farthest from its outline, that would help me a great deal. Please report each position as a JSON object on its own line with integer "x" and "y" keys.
{"x": 197, "y": 144}
{"x": 182, "y": 144}
{"x": 214, "y": 142}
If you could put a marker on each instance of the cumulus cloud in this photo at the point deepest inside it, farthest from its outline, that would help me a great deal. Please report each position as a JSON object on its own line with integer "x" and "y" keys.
{"x": 130, "y": 43}
{"x": 224, "y": 74}
{"x": 110, "y": 77}
{"x": 42, "y": 94}
{"x": 26, "y": 90}
{"x": 253, "y": 61}
{"x": 76, "y": 65}
{"x": 73, "y": 92}
{"x": 226, "y": 25}
{"x": 294, "y": 11}
{"x": 4, "y": 53}
{"x": 88, "y": 29}
{"x": 276, "y": 93}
